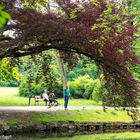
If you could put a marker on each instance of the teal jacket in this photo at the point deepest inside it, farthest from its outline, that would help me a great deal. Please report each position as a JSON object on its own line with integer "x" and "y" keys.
{"x": 67, "y": 92}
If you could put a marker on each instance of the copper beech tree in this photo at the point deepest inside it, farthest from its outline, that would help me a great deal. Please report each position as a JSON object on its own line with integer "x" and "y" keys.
{"x": 99, "y": 29}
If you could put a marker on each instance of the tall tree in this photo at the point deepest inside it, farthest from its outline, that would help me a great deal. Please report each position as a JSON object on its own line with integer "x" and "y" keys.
{"x": 97, "y": 29}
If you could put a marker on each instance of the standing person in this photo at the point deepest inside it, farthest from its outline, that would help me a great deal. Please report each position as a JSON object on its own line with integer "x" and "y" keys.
{"x": 45, "y": 97}
{"x": 66, "y": 97}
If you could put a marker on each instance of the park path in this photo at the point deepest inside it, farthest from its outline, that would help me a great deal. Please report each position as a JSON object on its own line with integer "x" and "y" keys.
{"x": 46, "y": 108}
{"x": 53, "y": 108}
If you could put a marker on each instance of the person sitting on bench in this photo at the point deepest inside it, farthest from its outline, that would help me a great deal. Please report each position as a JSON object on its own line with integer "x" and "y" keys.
{"x": 45, "y": 97}
{"x": 52, "y": 99}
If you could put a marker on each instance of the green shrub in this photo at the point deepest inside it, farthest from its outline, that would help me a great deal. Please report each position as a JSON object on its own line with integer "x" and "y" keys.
{"x": 9, "y": 83}
{"x": 26, "y": 89}
{"x": 58, "y": 89}
{"x": 3, "y": 84}
{"x": 86, "y": 87}
{"x": 78, "y": 86}
{"x": 98, "y": 91}
{"x": 89, "y": 89}
{"x": 37, "y": 89}
{"x": 13, "y": 84}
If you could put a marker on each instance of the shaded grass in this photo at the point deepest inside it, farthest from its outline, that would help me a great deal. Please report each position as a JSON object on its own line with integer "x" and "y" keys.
{"x": 12, "y": 122}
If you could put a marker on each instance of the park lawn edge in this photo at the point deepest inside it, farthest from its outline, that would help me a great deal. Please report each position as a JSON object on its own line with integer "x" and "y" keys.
{"x": 81, "y": 116}
{"x": 71, "y": 115}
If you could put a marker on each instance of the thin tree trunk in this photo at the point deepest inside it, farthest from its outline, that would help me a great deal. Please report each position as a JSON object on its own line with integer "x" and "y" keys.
{"x": 62, "y": 71}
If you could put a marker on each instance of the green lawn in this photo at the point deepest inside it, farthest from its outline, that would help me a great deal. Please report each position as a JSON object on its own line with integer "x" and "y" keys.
{"x": 71, "y": 115}
{"x": 81, "y": 116}
{"x": 79, "y": 102}
{"x": 10, "y": 97}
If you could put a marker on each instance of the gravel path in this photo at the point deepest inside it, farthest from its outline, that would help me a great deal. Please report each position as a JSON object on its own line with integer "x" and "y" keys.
{"x": 46, "y": 108}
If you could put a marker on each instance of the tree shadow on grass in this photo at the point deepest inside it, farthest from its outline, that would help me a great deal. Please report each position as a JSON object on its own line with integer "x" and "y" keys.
{"x": 113, "y": 113}
{"x": 98, "y": 112}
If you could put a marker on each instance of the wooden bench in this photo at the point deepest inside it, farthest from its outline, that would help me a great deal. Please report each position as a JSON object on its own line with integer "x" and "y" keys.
{"x": 37, "y": 99}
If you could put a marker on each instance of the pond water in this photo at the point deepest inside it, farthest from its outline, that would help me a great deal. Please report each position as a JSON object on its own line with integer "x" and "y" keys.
{"x": 106, "y": 136}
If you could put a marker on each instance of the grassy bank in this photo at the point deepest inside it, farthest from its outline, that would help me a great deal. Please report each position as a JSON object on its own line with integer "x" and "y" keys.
{"x": 81, "y": 116}
{"x": 10, "y": 97}
{"x": 73, "y": 115}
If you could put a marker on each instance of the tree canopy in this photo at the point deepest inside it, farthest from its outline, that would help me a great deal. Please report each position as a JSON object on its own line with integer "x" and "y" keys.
{"x": 98, "y": 29}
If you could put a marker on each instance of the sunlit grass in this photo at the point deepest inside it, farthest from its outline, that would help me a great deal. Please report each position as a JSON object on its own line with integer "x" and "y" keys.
{"x": 6, "y": 92}
{"x": 82, "y": 116}
{"x": 79, "y": 102}
{"x": 10, "y": 97}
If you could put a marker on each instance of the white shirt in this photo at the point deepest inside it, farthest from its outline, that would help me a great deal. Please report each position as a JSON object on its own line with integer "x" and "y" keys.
{"x": 45, "y": 96}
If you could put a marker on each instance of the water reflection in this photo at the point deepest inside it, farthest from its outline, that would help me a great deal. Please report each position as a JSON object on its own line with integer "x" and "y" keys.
{"x": 95, "y": 136}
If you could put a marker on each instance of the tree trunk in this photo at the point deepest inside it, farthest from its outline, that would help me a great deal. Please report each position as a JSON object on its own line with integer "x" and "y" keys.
{"x": 62, "y": 71}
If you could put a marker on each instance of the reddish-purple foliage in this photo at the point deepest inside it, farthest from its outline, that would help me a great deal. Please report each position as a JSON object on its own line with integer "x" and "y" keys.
{"x": 113, "y": 53}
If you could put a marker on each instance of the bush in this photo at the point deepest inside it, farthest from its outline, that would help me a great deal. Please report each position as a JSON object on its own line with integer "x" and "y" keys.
{"x": 75, "y": 91}
{"x": 3, "y": 84}
{"x": 82, "y": 87}
{"x": 58, "y": 89}
{"x": 13, "y": 84}
{"x": 98, "y": 91}
{"x": 26, "y": 89}
{"x": 89, "y": 89}
{"x": 9, "y": 83}
{"x": 78, "y": 86}
{"x": 86, "y": 87}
